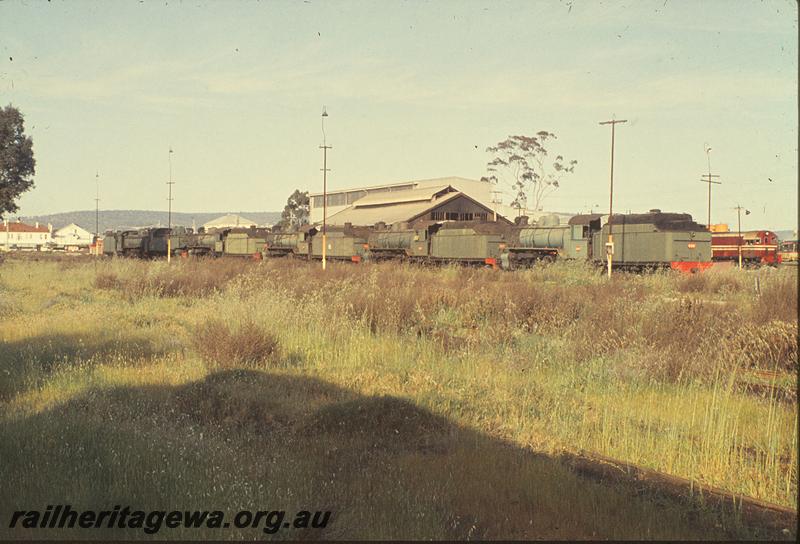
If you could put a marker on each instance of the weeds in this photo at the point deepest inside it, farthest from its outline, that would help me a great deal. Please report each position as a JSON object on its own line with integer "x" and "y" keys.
{"x": 226, "y": 345}
{"x": 195, "y": 278}
{"x": 645, "y": 368}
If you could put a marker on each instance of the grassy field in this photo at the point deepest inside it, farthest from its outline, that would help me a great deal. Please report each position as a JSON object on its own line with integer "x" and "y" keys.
{"x": 411, "y": 402}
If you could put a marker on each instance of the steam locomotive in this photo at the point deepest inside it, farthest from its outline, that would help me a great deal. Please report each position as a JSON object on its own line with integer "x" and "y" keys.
{"x": 648, "y": 240}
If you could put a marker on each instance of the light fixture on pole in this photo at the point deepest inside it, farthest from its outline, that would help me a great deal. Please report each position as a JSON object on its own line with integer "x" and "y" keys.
{"x": 610, "y": 243}
{"x": 170, "y": 183}
{"x": 325, "y": 147}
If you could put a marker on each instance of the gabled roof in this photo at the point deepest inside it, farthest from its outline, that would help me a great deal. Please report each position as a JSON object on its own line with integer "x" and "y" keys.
{"x": 72, "y": 228}
{"x": 387, "y": 187}
{"x": 396, "y": 213}
{"x": 230, "y": 220}
{"x": 427, "y": 194}
{"x": 18, "y": 226}
{"x": 400, "y": 206}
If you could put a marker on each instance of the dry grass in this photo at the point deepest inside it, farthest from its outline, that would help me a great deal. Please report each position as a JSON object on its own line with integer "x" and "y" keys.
{"x": 690, "y": 331}
{"x": 189, "y": 278}
{"x": 777, "y": 299}
{"x": 713, "y": 282}
{"x": 391, "y": 365}
{"x": 107, "y": 280}
{"x": 225, "y": 345}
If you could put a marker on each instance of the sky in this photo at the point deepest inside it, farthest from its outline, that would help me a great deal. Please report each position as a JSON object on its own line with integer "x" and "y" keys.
{"x": 414, "y": 90}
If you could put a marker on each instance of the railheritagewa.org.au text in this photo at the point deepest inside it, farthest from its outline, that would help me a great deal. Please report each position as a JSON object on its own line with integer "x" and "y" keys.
{"x": 63, "y": 516}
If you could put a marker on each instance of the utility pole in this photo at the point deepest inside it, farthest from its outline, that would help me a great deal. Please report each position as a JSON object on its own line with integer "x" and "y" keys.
{"x": 325, "y": 147}
{"x": 170, "y": 183}
{"x": 496, "y": 199}
{"x": 97, "y": 216}
{"x": 709, "y": 178}
{"x": 739, "y": 209}
{"x": 610, "y": 243}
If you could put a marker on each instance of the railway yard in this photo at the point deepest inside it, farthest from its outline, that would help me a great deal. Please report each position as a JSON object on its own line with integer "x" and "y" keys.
{"x": 399, "y": 271}
{"x": 413, "y": 401}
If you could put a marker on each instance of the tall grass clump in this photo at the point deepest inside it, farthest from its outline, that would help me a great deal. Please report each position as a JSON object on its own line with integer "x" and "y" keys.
{"x": 713, "y": 282}
{"x": 223, "y": 344}
{"x": 777, "y": 297}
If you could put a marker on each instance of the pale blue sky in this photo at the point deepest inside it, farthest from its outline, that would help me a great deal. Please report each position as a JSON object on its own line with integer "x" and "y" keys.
{"x": 414, "y": 90}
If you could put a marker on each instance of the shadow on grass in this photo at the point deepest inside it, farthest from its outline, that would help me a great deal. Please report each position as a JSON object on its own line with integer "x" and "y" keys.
{"x": 28, "y": 363}
{"x": 386, "y": 468}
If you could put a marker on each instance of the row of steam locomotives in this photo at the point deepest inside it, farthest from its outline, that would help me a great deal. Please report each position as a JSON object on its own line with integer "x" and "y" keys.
{"x": 647, "y": 240}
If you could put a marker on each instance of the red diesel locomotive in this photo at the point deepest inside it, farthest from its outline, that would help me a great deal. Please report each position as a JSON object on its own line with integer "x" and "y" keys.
{"x": 757, "y": 246}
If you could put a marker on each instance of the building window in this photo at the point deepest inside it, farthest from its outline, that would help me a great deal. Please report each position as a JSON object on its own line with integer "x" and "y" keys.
{"x": 337, "y": 199}
{"x": 451, "y": 216}
{"x": 437, "y": 216}
{"x": 352, "y": 196}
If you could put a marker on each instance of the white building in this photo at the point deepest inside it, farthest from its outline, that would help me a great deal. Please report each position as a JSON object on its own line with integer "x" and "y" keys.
{"x": 72, "y": 238}
{"x": 17, "y": 235}
{"x": 229, "y": 221}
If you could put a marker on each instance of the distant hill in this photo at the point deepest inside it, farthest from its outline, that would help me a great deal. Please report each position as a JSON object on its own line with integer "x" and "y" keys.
{"x": 118, "y": 219}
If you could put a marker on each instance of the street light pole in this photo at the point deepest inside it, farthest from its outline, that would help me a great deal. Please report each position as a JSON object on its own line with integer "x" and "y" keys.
{"x": 97, "y": 216}
{"x": 610, "y": 244}
{"x": 170, "y": 183}
{"x": 739, "y": 209}
{"x": 739, "y": 239}
{"x": 325, "y": 147}
{"x": 709, "y": 178}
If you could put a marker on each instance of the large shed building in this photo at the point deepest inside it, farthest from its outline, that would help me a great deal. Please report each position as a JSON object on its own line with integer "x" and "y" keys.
{"x": 341, "y": 199}
{"x": 440, "y": 203}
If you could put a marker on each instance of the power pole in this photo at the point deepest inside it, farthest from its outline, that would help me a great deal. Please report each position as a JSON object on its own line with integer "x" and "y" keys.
{"x": 325, "y": 147}
{"x": 709, "y": 178}
{"x": 170, "y": 183}
{"x": 496, "y": 199}
{"x": 739, "y": 209}
{"x": 97, "y": 216}
{"x": 610, "y": 244}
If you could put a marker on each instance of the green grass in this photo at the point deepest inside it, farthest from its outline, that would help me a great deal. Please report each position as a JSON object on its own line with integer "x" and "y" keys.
{"x": 415, "y": 403}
